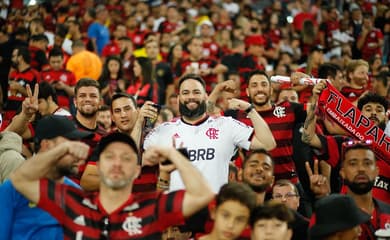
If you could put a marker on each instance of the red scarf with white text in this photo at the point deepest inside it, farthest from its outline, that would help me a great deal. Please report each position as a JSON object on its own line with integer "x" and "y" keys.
{"x": 340, "y": 109}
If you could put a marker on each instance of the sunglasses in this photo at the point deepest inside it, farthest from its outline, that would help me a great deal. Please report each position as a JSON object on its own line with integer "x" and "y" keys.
{"x": 355, "y": 144}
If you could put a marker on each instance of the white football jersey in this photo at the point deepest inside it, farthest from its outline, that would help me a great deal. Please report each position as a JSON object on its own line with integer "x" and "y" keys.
{"x": 210, "y": 144}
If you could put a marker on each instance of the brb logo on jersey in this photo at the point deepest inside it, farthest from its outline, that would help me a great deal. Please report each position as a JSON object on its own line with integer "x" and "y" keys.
{"x": 201, "y": 154}
{"x": 212, "y": 133}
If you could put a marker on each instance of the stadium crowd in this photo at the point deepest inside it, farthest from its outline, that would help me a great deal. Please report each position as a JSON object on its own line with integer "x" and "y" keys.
{"x": 209, "y": 119}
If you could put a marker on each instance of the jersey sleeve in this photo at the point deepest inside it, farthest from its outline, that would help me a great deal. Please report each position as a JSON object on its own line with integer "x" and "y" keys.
{"x": 152, "y": 138}
{"x": 52, "y": 198}
{"x": 170, "y": 208}
{"x": 241, "y": 133}
{"x": 331, "y": 149}
{"x": 300, "y": 113}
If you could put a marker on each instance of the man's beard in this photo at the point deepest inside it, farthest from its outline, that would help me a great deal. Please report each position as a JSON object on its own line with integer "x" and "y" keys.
{"x": 259, "y": 188}
{"x": 359, "y": 188}
{"x": 88, "y": 114}
{"x": 194, "y": 113}
{"x": 116, "y": 185}
{"x": 257, "y": 103}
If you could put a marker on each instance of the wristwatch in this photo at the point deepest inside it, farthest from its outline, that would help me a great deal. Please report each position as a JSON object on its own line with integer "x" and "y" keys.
{"x": 249, "y": 109}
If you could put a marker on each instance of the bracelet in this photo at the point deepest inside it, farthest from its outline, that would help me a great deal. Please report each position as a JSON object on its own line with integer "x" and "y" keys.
{"x": 249, "y": 109}
{"x": 162, "y": 187}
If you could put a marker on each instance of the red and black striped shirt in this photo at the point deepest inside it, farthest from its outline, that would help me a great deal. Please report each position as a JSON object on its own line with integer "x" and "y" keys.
{"x": 281, "y": 119}
{"x": 143, "y": 216}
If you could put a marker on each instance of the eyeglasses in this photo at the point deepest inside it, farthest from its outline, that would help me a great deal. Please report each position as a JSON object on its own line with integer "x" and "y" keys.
{"x": 285, "y": 196}
{"x": 366, "y": 144}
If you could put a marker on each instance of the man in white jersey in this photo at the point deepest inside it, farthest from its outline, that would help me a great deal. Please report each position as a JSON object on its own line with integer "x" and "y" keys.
{"x": 210, "y": 141}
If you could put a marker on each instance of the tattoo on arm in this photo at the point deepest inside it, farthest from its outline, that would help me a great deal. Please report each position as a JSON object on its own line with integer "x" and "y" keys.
{"x": 310, "y": 116}
{"x": 307, "y": 137}
{"x": 210, "y": 107}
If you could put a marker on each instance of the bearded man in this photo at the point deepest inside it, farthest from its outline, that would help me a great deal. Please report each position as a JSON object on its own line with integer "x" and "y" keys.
{"x": 211, "y": 142}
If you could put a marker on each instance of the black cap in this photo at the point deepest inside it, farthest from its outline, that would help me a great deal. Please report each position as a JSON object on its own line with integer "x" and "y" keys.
{"x": 336, "y": 213}
{"x": 116, "y": 137}
{"x": 53, "y": 126}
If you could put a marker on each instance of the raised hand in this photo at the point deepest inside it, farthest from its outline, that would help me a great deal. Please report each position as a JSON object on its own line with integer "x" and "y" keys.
{"x": 77, "y": 149}
{"x": 148, "y": 111}
{"x": 317, "y": 89}
{"x": 30, "y": 103}
{"x": 155, "y": 155}
{"x": 238, "y": 104}
{"x": 295, "y": 76}
{"x": 318, "y": 183}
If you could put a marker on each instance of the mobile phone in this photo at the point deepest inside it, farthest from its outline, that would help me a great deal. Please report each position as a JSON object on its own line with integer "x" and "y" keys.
{"x": 158, "y": 107}
{"x": 184, "y": 152}
{"x": 149, "y": 123}
{"x": 166, "y": 162}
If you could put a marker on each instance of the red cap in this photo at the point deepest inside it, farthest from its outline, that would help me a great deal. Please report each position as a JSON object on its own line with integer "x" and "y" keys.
{"x": 254, "y": 40}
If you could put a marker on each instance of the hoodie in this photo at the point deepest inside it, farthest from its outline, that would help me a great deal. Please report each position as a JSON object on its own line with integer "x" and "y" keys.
{"x": 10, "y": 153}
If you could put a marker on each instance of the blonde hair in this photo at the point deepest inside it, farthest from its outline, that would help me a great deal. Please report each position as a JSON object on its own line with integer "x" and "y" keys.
{"x": 353, "y": 64}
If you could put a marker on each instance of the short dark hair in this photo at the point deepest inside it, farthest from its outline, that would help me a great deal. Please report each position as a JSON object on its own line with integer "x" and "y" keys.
{"x": 123, "y": 95}
{"x": 46, "y": 90}
{"x": 373, "y": 98}
{"x": 194, "y": 77}
{"x": 286, "y": 182}
{"x": 256, "y": 72}
{"x": 194, "y": 38}
{"x": 258, "y": 151}
{"x": 39, "y": 37}
{"x": 86, "y": 82}
{"x": 104, "y": 108}
{"x": 355, "y": 146}
{"x": 24, "y": 52}
{"x": 56, "y": 52}
{"x": 239, "y": 192}
{"x": 328, "y": 69}
{"x": 270, "y": 210}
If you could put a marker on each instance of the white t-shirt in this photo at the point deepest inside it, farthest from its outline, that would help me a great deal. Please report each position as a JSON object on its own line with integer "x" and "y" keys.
{"x": 211, "y": 144}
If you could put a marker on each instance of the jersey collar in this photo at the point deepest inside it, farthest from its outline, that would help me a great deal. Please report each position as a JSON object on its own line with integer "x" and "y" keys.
{"x": 197, "y": 123}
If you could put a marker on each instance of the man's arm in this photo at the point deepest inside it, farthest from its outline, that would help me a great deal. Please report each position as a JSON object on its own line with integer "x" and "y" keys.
{"x": 212, "y": 99}
{"x": 263, "y": 137}
{"x": 90, "y": 179}
{"x": 198, "y": 193}
{"x": 146, "y": 111}
{"x": 26, "y": 178}
{"x": 309, "y": 135}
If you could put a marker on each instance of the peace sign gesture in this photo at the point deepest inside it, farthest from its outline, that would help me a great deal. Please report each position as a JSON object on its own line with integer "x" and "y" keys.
{"x": 318, "y": 182}
{"x": 30, "y": 103}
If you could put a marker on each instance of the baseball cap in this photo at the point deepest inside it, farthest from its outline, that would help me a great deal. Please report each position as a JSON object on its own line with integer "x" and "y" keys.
{"x": 116, "y": 137}
{"x": 335, "y": 213}
{"x": 53, "y": 126}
